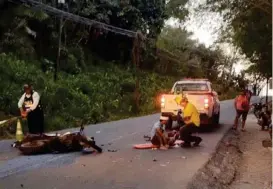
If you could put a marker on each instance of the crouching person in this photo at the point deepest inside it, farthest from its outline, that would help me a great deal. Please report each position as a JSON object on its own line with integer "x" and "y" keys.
{"x": 158, "y": 135}
{"x": 192, "y": 122}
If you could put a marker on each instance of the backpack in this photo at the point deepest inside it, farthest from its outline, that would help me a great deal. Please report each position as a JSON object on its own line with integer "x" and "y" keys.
{"x": 245, "y": 105}
{"x": 242, "y": 103}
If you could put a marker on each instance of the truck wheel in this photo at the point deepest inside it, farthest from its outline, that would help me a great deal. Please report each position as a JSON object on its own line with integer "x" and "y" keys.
{"x": 217, "y": 119}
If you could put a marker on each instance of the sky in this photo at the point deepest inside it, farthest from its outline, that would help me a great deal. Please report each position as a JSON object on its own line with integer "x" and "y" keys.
{"x": 205, "y": 29}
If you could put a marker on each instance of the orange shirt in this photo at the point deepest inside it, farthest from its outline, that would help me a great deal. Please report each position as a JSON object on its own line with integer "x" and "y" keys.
{"x": 240, "y": 101}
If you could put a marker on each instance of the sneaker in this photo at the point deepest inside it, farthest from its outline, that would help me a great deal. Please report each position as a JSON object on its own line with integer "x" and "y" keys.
{"x": 197, "y": 142}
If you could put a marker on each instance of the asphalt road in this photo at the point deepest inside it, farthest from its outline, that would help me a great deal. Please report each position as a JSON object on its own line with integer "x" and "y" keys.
{"x": 127, "y": 168}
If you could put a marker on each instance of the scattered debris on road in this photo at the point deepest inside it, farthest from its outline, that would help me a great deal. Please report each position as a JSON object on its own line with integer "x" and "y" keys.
{"x": 112, "y": 150}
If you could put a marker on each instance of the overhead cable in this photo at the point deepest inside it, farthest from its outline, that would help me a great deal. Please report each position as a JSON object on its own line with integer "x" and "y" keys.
{"x": 78, "y": 19}
{"x": 75, "y": 18}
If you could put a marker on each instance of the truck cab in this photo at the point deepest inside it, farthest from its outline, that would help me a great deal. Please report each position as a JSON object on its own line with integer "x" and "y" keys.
{"x": 200, "y": 93}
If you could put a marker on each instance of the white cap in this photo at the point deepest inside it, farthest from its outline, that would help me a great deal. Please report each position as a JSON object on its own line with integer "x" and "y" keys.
{"x": 164, "y": 118}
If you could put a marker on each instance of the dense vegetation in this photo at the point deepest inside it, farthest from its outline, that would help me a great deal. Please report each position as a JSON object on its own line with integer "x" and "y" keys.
{"x": 101, "y": 95}
{"x": 97, "y": 78}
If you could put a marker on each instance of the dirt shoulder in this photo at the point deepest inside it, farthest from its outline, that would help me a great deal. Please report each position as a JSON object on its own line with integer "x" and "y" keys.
{"x": 255, "y": 169}
{"x": 240, "y": 162}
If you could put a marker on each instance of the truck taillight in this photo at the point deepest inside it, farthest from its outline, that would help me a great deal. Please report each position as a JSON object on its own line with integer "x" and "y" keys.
{"x": 206, "y": 103}
{"x": 162, "y": 102}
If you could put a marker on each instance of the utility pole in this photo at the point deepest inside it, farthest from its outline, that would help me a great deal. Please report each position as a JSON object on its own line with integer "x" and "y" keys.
{"x": 136, "y": 61}
{"x": 266, "y": 97}
{"x": 57, "y": 63}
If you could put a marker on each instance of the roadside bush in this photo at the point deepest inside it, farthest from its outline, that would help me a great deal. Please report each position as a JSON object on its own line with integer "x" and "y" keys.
{"x": 104, "y": 94}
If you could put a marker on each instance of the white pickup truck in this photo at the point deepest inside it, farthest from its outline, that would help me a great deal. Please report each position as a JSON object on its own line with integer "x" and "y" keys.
{"x": 200, "y": 93}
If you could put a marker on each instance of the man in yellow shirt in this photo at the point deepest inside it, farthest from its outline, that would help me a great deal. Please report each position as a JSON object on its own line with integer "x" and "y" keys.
{"x": 192, "y": 123}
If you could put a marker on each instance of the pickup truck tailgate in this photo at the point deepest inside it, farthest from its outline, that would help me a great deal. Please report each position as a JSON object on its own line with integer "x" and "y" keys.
{"x": 170, "y": 103}
{"x": 195, "y": 98}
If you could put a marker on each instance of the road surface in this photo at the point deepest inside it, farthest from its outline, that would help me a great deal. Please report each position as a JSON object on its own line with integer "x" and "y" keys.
{"x": 126, "y": 168}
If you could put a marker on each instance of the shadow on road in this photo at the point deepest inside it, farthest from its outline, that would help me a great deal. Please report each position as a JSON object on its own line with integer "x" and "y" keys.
{"x": 210, "y": 129}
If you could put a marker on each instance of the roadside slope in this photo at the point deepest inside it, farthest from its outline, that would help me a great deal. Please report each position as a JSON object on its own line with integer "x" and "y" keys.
{"x": 240, "y": 162}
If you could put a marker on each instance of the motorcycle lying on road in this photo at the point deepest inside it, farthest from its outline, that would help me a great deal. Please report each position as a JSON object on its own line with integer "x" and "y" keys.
{"x": 56, "y": 143}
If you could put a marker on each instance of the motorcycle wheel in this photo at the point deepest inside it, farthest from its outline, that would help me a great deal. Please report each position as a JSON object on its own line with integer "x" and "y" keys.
{"x": 34, "y": 147}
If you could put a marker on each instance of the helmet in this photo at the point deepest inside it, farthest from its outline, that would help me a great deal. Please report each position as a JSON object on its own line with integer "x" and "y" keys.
{"x": 184, "y": 99}
{"x": 162, "y": 118}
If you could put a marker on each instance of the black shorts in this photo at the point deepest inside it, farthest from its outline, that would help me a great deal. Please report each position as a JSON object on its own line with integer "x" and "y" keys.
{"x": 155, "y": 140}
{"x": 242, "y": 113}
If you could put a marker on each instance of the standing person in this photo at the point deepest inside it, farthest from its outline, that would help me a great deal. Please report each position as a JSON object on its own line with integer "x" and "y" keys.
{"x": 30, "y": 103}
{"x": 158, "y": 137}
{"x": 191, "y": 119}
{"x": 242, "y": 105}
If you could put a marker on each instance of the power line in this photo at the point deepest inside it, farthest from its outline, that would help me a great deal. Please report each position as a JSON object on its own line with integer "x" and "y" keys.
{"x": 75, "y": 18}
{"x": 78, "y": 19}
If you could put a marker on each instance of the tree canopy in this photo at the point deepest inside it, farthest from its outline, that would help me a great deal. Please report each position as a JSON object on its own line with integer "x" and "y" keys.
{"x": 248, "y": 25}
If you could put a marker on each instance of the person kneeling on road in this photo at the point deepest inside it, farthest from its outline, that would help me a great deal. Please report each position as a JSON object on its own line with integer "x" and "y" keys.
{"x": 192, "y": 122}
{"x": 158, "y": 137}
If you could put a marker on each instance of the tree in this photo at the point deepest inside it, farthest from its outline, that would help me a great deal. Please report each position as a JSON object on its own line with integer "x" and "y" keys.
{"x": 256, "y": 78}
{"x": 248, "y": 25}
{"x": 181, "y": 55}
{"x": 177, "y": 9}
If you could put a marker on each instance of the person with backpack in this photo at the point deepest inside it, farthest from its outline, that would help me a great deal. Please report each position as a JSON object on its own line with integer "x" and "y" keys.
{"x": 242, "y": 106}
{"x": 30, "y": 107}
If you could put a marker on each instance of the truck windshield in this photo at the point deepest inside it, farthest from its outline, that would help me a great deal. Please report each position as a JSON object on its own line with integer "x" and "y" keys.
{"x": 190, "y": 87}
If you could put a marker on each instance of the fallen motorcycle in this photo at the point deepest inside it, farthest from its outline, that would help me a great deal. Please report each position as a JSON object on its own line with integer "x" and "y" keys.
{"x": 257, "y": 108}
{"x": 56, "y": 143}
{"x": 263, "y": 113}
